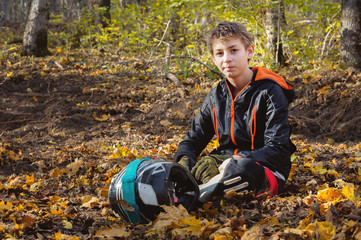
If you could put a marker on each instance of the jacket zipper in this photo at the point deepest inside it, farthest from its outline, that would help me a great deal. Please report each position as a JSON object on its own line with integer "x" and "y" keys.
{"x": 232, "y": 111}
{"x": 253, "y": 125}
{"x": 215, "y": 124}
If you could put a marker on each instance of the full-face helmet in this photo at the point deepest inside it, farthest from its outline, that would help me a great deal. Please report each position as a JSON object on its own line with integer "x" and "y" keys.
{"x": 137, "y": 192}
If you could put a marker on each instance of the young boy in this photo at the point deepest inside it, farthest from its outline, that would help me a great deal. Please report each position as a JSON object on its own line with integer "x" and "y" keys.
{"x": 248, "y": 112}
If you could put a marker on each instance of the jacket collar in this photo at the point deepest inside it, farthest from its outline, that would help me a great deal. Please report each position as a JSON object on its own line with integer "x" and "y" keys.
{"x": 263, "y": 73}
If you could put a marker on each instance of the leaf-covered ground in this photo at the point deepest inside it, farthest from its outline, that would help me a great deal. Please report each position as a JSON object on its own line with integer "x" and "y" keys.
{"x": 70, "y": 122}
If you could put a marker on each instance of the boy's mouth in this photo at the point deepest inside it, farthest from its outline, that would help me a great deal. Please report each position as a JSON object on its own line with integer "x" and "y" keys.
{"x": 227, "y": 69}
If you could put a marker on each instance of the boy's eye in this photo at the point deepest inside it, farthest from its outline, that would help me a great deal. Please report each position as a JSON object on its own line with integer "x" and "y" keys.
{"x": 234, "y": 50}
{"x": 219, "y": 54}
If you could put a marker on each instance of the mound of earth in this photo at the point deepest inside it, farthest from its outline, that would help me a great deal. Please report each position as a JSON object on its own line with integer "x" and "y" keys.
{"x": 327, "y": 106}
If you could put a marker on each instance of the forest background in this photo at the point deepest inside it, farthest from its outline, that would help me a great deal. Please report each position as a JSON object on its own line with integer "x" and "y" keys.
{"x": 121, "y": 80}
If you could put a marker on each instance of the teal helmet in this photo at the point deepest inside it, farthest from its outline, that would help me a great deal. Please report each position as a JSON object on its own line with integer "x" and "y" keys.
{"x": 137, "y": 192}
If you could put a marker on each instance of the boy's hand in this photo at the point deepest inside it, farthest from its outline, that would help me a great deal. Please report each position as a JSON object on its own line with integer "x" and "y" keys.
{"x": 206, "y": 168}
{"x": 186, "y": 162}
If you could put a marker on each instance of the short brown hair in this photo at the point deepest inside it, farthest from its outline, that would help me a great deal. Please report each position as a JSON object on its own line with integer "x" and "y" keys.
{"x": 229, "y": 30}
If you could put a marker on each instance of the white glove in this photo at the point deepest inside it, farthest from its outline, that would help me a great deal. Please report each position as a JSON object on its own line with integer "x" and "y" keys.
{"x": 206, "y": 190}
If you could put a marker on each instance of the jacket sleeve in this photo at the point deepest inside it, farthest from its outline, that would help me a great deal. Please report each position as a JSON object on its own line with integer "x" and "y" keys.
{"x": 199, "y": 135}
{"x": 276, "y": 151}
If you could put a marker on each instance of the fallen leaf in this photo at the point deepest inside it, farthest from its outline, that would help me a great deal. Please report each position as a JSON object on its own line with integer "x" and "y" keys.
{"x": 29, "y": 220}
{"x": 103, "y": 118}
{"x": 30, "y": 179}
{"x": 113, "y": 233}
{"x": 89, "y": 201}
{"x": 125, "y": 205}
{"x": 222, "y": 234}
{"x": 75, "y": 166}
{"x": 5, "y": 206}
{"x": 67, "y": 224}
{"x": 193, "y": 226}
{"x": 167, "y": 219}
{"x": 333, "y": 195}
{"x": 55, "y": 210}
{"x": 179, "y": 221}
{"x": 271, "y": 221}
{"x": 166, "y": 123}
{"x": 58, "y": 235}
{"x": 254, "y": 233}
{"x": 325, "y": 230}
{"x": 55, "y": 173}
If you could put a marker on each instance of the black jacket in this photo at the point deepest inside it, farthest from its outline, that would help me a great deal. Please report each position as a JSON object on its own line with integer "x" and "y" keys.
{"x": 254, "y": 124}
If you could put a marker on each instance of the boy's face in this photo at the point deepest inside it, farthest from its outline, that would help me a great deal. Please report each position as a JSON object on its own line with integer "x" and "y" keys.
{"x": 231, "y": 58}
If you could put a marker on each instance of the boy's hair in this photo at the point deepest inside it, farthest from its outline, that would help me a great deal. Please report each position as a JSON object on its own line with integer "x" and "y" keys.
{"x": 229, "y": 30}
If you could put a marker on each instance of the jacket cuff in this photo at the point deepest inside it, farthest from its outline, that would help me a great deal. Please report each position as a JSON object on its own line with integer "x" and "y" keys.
{"x": 243, "y": 153}
{"x": 179, "y": 155}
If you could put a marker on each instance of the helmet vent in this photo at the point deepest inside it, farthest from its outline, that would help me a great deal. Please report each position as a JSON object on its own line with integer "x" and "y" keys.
{"x": 159, "y": 169}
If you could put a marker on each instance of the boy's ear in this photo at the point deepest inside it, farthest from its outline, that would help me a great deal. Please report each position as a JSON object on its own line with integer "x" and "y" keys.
{"x": 250, "y": 51}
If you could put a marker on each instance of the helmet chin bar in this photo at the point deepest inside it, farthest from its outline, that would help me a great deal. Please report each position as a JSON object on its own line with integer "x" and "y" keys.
{"x": 184, "y": 187}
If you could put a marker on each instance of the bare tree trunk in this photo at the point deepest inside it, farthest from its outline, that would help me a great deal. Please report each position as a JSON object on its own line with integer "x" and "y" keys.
{"x": 105, "y": 17}
{"x": 351, "y": 35}
{"x": 274, "y": 20}
{"x": 36, "y": 29}
{"x": 174, "y": 25}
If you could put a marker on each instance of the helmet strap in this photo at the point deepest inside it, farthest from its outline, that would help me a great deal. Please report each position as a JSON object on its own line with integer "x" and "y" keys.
{"x": 128, "y": 189}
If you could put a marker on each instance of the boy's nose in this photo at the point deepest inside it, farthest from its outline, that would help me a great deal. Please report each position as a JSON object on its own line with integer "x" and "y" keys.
{"x": 227, "y": 57}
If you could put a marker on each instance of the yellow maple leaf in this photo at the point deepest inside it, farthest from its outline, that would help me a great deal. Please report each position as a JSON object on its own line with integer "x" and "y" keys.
{"x": 333, "y": 195}
{"x": 105, "y": 117}
{"x": 193, "y": 226}
{"x": 325, "y": 230}
{"x": 21, "y": 226}
{"x": 30, "y": 179}
{"x": 58, "y": 236}
{"x": 120, "y": 152}
{"x": 55, "y": 210}
{"x": 349, "y": 192}
{"x": 5, "y": 206}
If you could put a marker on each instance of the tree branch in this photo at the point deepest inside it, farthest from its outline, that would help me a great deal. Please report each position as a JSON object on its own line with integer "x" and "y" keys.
{"x": 165, "y": 31}
{"x": 198, "y": 61}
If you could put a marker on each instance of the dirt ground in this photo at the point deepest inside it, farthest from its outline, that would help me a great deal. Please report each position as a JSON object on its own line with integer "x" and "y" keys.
{"x": 62, "y": 106}
{"x": 52, "y": 116}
